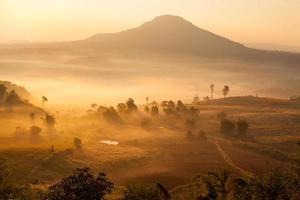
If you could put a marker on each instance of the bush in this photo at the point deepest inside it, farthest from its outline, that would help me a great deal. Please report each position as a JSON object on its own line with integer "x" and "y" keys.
{"x": 227, "y": 127}
{"x": 242, "y": 127}
{"x": 141, "y": 192}
{"x": 221, "y": 116}
{"x": 82, "y": 185}
{"x": 77, "y": 143}
{"x": 35, "y": 133}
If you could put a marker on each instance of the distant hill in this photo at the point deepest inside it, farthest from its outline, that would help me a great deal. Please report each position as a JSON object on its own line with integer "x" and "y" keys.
{"x": 21, "y": 91}
{"x": 174, "y": 35}
{"x": 253, "y": 101}
{"x": 165, "y": 35}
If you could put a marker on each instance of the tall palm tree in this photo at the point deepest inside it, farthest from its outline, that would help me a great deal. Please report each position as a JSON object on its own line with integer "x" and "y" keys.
{"x": 225, "y": 91}
{"x": 44, "y": 99}
{"x": 212, "y": 88}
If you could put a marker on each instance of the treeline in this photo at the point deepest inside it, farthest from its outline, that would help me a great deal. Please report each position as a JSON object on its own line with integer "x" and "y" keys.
{"x": 83, "y": 184}
{"x": 169, "y": 110}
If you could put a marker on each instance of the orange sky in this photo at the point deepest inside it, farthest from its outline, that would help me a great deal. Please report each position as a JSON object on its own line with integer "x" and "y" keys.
{"x": 247, "y": 21}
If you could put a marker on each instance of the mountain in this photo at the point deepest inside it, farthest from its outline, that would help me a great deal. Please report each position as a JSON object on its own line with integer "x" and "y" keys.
{"x": 165, "y": 35}
{"x": 174, "y": 35}
{"x": 169, "y": 34}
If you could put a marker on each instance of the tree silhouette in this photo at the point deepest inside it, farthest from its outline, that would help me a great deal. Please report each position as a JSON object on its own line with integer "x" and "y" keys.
{"x": 94, "y": 106}
{"x": 154, "y": 111}
{"x": 44, "y": 99}
{"x": 225, "y": 91}
{"x": 242, "y": 127}
{"x": 121, "y": 107}
{"x": 131, "y": 107}
{"x": 77, "y": 143}
{"x": 13, "y": 99}
{"x": 32, "y": 116}
{"x": 3, "y": 90}
{"x": 227, "y": 127}
{"x": 82, "y": 185}
{"x": 212, "y": 88}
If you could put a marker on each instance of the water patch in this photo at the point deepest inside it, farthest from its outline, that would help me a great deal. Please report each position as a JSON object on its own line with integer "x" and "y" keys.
{"x": 110, "y": 142}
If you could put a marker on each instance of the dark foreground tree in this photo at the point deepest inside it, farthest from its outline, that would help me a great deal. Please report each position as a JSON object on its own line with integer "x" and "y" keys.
{"x": 82, "y": 185}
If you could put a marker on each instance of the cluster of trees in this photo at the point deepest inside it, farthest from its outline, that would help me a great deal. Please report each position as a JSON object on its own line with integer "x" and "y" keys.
{"x": 189, "y": 114}
{"x": 113, "y": 115}
{"x": 9, "y": 98}
{"x": 231, "y": 128}
{"x": 225, "y": 92}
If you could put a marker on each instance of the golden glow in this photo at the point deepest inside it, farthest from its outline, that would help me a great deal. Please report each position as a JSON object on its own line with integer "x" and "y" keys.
{"x": 268, "y": 21}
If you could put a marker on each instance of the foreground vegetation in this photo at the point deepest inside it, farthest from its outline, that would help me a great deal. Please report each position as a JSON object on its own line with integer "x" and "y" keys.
{"x": 84, "y": 185}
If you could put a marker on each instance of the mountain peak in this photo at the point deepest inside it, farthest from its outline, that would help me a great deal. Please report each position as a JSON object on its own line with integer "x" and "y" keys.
{"x": 164, "y": 18}
{"x": 168, "y": 20}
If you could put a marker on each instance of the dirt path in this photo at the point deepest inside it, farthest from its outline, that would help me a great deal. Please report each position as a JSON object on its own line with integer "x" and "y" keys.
{"x": 229, "y": 161}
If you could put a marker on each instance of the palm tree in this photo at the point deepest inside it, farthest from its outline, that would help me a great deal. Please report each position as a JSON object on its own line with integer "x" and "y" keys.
{"x": 44, "y": 99}
{"x": 212, "y": 88}
{"x": 225, "y": 91}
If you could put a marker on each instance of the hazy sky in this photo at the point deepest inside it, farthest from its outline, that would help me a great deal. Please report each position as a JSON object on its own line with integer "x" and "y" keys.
{"x": 245, "y": 21}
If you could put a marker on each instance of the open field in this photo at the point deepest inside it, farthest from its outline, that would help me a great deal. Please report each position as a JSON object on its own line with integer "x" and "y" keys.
{"x": 160, "y": 153}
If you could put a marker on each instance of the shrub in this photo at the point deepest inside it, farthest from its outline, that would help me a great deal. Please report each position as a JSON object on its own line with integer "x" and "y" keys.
{"x": 77, "y": 143}
{"x": 221, "y": 116}
{"x": 227, "y": 127}
{"x": 82, "y": 185}
{"x": 242, "y": 127}
{"x": 141, "y": 192}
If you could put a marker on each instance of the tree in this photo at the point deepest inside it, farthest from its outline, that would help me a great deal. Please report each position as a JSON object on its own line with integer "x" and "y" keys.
{"x": 35, "y": 133}
{"x": 147, "y": 109}
{"x": 111, "y": 115}
{"x": 13, "y": 99}
{"x": 50, "y": 120}
{"x": 44, "y": 99}
{"x": 77, "y": 143}
{"x": 82, "y": 185}
{"x": 212, "y": 88}
{"x": 94, "y": 106}
{"x": 32, "y": 116}
{"x": 131, "y": 107}
{"x": 3, "y": 90}
{"x": 242, "y": 127}
{"x": 154, "y": 111}
{"x": 227, "y": 127}
{"x": 225, "y": 91}
{"x": 121, "y": 107}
